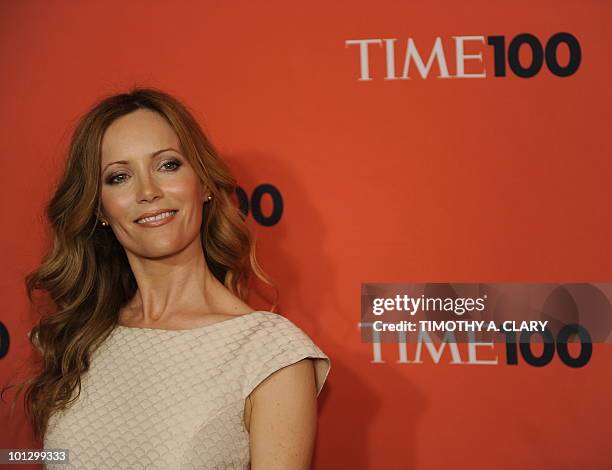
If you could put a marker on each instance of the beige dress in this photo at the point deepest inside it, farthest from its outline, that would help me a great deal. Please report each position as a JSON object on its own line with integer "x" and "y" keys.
{"x": 162, "y": 399}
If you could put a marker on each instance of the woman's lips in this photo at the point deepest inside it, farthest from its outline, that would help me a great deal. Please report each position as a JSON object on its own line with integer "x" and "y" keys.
{"x": 157, "y": 221}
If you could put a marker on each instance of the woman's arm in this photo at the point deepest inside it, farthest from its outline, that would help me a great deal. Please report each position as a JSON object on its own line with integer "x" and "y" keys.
{"x": 283, "y": 419}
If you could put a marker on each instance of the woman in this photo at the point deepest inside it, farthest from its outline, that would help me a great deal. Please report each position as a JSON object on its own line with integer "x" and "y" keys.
{"x": 153, "y": 358}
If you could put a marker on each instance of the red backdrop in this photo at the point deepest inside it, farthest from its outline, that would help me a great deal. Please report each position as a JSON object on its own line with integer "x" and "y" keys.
{"x": 464, "y": 179}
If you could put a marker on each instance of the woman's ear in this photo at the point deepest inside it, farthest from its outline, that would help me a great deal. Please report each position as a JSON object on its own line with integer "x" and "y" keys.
{"x": 101, "y": 217}
{"x": 206, "y": 193}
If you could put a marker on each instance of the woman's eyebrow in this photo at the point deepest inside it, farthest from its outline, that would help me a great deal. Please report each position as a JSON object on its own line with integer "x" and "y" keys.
{"x": 157, "y": 152}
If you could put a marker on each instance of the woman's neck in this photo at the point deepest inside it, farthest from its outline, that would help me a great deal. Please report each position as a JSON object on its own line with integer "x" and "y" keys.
{"x": 178, "y": 283}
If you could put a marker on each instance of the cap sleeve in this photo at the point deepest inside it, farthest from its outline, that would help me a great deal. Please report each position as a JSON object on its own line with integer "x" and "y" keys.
{"x": 278, "y": 343}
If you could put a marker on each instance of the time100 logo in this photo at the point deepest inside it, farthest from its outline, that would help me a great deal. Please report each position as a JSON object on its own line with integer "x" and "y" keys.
{"x": 504, "y": 52}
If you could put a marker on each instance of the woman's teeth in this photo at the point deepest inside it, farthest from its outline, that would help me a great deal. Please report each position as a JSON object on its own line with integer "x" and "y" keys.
{"x": 161, "y": 216}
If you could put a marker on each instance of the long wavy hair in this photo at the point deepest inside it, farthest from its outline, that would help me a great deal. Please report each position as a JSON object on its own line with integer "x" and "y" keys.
{"x": 86, "y": 272}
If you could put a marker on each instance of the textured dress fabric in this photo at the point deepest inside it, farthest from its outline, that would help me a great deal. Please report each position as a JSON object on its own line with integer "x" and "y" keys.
{"x": 174, "y": 399}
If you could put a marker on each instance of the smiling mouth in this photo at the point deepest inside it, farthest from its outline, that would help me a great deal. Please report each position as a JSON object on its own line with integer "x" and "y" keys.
{"x": 155, "y": 218}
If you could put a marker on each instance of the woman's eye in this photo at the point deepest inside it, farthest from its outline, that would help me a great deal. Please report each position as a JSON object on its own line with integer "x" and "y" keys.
{"x": 113, "y": 179}
{"x": 174, "y": 164}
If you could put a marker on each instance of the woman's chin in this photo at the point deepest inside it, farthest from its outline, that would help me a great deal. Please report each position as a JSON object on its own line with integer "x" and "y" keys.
{"x": 159, "y": 251}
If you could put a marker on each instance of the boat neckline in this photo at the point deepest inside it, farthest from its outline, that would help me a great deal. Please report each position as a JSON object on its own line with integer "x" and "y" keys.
{"x": 198, "y": 328}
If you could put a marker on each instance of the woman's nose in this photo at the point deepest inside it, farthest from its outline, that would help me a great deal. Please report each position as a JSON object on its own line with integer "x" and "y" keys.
{"x": 148, "y": 189}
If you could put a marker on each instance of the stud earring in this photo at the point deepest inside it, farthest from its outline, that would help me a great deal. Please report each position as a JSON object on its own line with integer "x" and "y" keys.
{"x": 104, "y": 223}
{"x": 209, "y": 198}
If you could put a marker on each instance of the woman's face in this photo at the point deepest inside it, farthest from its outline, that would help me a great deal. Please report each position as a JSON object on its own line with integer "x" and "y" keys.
{"x": 143, "y": 171}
